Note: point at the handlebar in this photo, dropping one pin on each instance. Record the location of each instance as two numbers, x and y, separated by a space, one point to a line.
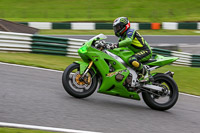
100 44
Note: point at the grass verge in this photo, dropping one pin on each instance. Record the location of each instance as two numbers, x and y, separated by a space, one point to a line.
104 10
19 130
111 32
37 60
187 78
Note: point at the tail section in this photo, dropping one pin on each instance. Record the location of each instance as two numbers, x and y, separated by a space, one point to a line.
160 60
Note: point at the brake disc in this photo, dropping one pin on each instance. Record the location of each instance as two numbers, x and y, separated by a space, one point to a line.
81 84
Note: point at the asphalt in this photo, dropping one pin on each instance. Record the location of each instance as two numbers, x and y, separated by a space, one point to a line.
36 97
173 39
185 43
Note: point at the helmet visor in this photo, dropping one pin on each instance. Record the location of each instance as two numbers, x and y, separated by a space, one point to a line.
117 28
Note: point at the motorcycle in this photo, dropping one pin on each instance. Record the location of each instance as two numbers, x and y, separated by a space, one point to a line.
109 71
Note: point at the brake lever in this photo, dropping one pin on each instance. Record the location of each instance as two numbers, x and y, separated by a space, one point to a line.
100 44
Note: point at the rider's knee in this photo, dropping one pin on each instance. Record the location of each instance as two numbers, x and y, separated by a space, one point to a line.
135 64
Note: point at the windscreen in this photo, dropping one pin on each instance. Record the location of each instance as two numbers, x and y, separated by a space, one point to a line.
99 37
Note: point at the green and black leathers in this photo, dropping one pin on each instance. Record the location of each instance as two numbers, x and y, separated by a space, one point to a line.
135 42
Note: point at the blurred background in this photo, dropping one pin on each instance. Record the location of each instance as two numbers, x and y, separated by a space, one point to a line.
156 17
103 11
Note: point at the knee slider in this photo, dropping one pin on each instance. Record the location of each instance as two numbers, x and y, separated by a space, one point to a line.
136 64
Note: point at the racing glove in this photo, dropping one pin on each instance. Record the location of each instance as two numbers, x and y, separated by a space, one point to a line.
112 45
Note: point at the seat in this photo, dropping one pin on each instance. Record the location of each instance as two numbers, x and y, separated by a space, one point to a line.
149 61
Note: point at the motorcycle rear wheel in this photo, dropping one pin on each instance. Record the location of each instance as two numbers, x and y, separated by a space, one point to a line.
173 93
76 88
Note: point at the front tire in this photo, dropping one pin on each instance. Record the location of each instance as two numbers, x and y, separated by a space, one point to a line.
172 89
75 87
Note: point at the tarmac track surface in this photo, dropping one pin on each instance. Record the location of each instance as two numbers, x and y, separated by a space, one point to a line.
185 43
155 39
36 97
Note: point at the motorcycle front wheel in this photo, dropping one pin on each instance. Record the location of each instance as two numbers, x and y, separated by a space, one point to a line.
169 97
76 87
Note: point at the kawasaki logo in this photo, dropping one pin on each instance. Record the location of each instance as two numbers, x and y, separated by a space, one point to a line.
115 73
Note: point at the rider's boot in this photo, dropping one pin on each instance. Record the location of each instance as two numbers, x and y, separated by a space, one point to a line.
139 67
143 70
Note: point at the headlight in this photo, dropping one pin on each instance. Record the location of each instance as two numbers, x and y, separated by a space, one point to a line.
83 50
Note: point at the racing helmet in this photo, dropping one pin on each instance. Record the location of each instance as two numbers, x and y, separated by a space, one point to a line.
120 25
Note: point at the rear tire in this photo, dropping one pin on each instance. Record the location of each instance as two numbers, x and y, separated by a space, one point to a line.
75 87
173 93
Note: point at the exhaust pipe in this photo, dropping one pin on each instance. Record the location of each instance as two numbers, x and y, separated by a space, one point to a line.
171 74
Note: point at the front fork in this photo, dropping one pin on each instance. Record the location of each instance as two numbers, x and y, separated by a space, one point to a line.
86 71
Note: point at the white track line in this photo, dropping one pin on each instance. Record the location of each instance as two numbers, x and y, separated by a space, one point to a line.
3 124
189 95
32 67
62 71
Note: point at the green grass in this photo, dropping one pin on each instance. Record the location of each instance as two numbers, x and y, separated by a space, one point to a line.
38 60
187 78
18 130
96 10
111 32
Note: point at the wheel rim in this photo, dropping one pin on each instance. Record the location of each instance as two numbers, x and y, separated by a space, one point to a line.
166 95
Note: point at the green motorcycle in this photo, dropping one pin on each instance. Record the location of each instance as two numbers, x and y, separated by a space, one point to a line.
110 72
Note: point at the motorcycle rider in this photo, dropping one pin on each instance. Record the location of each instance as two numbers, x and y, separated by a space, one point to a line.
134 41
